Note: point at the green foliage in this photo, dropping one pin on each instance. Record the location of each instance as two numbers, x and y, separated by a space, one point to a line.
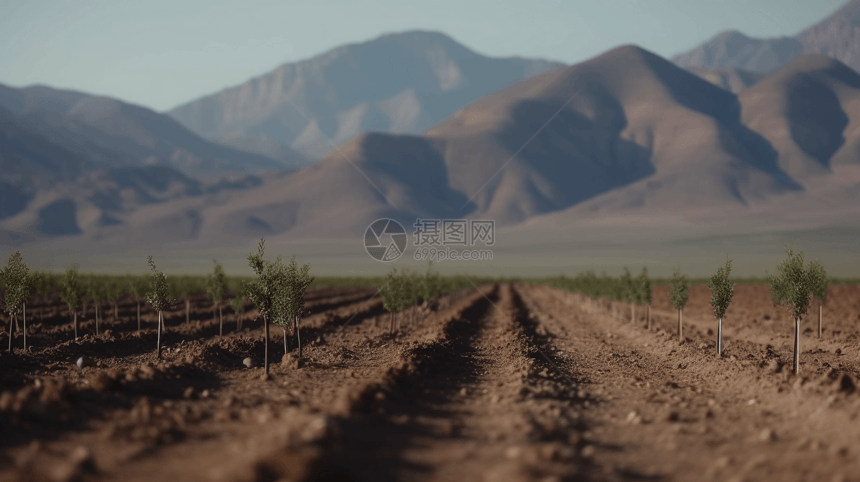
158 296
432 284
114 288
721 289
238 301
819 280
136 285
42 282
390 291
643 287
270 286
216 284
679 290
72 290
628 286
298 280
793 285
16 281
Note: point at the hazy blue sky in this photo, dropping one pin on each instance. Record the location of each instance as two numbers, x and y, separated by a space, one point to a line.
163 53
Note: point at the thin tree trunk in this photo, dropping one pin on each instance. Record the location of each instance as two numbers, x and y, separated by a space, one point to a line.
76 324
796 345
220 322
159 324
266 351
680 327
632 312
720 337
298 336
25 327
11 321
138 316
820 310
285 339
649 317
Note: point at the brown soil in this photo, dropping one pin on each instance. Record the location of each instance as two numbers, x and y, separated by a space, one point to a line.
503 382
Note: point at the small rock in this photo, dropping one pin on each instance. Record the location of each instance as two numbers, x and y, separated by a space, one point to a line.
767 435
587 451
190 393
463 391
85 361
204 394
248 362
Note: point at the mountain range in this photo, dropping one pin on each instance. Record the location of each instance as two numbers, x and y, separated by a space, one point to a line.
625 137
837 36
401 83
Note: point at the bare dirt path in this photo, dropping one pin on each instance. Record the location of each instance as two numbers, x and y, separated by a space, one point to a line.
504 382
668 412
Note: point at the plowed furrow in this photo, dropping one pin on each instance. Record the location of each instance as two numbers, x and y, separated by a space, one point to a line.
663 412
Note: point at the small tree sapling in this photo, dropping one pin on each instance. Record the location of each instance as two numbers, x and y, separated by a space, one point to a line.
791 287
678 293
113 292
71 293
238 304
137 286
17 290
721 295
266 289
628 292
392 293
643 284
158 298
819 288
298 280
216 287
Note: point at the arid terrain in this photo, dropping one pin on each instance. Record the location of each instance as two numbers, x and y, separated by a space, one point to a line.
501 382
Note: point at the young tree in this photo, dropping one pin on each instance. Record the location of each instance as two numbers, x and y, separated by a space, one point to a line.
113 292
17 284
42 283
819 288
298 280
678 296
721 295
643 284
791 287
392 294
628 292
159 300
182 287
71 293
95 291
266 290
431 286
216 287
137 286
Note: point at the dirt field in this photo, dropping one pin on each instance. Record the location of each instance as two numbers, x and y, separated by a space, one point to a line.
503 382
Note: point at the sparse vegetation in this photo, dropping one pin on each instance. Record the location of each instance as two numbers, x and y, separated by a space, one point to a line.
158 298
16 285
819 281
678 293
216 287
71 294
722 290
792 286
267 291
